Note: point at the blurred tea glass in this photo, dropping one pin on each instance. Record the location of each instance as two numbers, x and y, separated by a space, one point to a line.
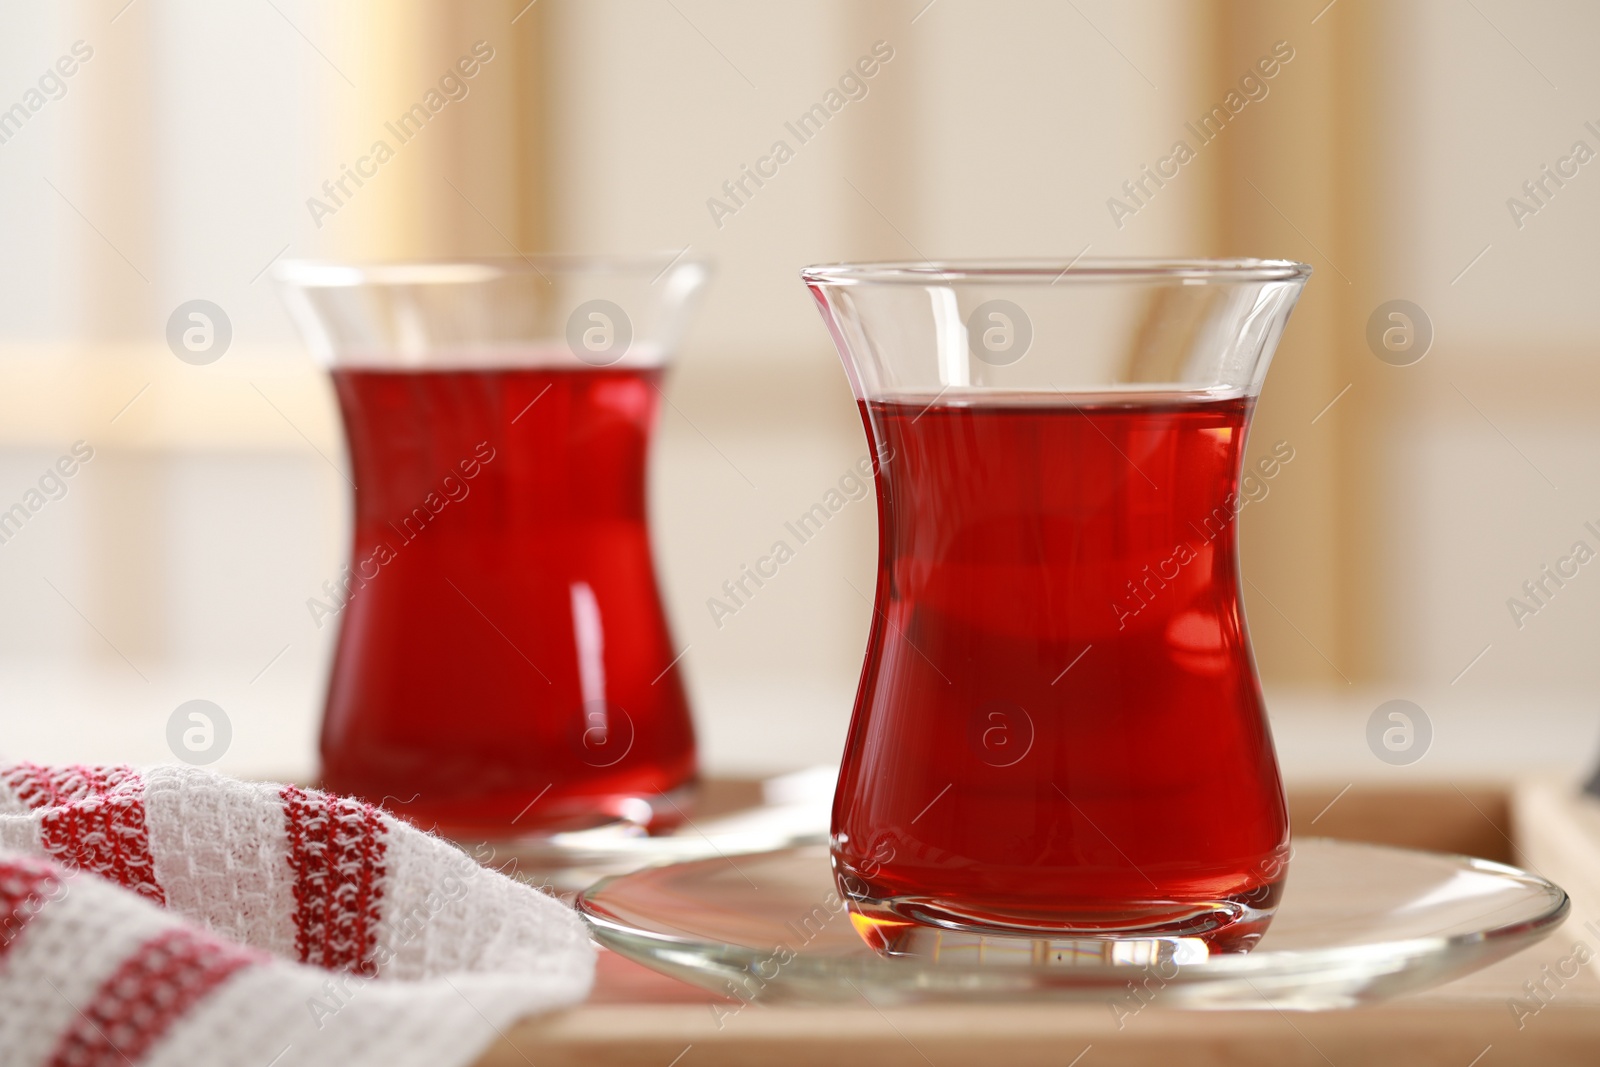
1059 732
503 665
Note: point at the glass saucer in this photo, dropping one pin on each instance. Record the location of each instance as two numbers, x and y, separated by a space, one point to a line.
572 860
785 811
1358 923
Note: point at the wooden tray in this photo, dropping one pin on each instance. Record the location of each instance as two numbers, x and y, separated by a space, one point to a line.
1541 1006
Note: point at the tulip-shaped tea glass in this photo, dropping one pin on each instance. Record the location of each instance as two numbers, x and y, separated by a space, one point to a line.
1059 733
503 662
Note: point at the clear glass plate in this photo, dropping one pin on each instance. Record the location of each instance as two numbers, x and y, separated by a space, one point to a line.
794 810
1357 923
572 860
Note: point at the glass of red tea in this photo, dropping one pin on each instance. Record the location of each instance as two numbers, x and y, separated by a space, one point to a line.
1059 733
503 663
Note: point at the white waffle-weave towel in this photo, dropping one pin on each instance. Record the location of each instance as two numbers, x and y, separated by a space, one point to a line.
177 916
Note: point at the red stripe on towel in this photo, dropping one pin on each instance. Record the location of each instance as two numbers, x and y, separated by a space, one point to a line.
50 787
26 885
152 989
336 849
97 824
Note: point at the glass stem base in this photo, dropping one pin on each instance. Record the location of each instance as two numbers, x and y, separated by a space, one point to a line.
1137 932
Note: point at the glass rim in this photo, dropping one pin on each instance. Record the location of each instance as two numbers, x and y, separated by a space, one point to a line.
1191 271
466 270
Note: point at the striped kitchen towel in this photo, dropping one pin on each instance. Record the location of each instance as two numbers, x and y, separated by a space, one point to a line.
177 916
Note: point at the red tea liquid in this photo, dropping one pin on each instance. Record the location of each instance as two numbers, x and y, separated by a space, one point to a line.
504 645
1059 725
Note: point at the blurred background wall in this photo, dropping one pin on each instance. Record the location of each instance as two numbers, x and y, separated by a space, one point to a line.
1387 148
